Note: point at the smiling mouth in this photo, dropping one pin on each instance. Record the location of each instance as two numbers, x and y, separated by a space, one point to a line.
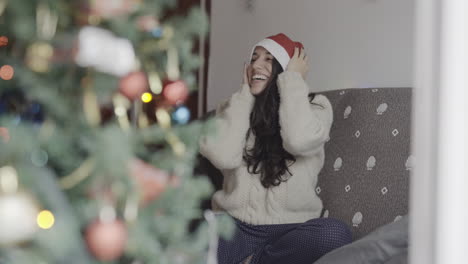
259 77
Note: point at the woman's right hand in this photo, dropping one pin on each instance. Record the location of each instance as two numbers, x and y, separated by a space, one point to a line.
299 62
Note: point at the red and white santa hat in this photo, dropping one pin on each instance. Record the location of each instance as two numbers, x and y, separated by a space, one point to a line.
280 46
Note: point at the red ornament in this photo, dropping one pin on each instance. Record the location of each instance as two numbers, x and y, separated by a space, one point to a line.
147 23
106 240
83 13
110 8
151 181
3 41
4 134
133 85
7 72
175 92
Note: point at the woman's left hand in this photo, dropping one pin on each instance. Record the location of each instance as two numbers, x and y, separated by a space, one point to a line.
299 62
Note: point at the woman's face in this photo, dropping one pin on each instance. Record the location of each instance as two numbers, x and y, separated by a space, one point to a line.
259 70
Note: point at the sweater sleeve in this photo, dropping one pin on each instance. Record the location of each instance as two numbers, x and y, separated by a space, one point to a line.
305 126
225 148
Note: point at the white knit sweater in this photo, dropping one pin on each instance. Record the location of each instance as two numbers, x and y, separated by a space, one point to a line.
304 129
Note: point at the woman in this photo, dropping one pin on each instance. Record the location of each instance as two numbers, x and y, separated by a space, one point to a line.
269 147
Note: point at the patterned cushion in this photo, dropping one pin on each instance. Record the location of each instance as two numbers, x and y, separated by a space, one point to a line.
365 179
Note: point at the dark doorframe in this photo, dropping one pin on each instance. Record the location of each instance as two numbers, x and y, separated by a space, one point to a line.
196 102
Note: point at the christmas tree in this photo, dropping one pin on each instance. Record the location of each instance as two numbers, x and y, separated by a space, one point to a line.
96 146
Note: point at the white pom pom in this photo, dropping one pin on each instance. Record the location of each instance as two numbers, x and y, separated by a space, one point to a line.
100 49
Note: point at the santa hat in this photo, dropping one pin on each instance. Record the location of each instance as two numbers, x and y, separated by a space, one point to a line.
280 46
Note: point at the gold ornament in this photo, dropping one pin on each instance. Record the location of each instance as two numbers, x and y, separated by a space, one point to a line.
18 210
38 56
131 209
8 179
143 121
173 71
46 21
164 121
155 82
163 117
90 102
78 175
3 4
121 106
177 146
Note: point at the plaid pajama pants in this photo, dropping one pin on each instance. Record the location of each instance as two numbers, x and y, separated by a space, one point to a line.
283 243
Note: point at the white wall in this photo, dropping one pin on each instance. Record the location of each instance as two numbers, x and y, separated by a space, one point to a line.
351 43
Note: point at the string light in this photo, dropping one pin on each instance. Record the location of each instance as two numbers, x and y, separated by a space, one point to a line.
157 32
163 117
146 97
181 115
45 219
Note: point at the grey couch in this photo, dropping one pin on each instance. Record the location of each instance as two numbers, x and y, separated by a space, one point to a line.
365 179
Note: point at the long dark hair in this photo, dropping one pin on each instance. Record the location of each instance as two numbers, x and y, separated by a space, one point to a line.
267 156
